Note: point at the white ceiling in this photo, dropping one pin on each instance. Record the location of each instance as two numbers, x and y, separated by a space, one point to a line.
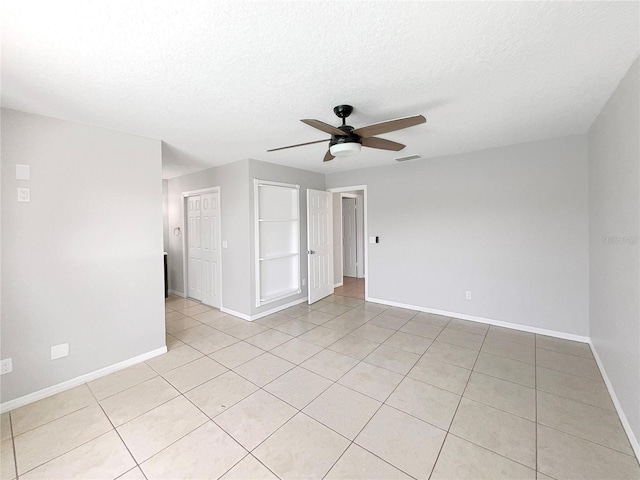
222 81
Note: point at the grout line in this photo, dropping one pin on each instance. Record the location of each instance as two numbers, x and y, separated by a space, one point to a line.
13 444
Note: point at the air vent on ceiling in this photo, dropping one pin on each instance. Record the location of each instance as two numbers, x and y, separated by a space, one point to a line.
407 158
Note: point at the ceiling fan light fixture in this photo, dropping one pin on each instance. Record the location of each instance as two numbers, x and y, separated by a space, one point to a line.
345 149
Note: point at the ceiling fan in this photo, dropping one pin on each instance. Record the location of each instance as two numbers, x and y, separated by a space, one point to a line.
346 140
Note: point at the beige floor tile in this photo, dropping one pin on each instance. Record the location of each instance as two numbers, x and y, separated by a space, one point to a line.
358 464
408 342
174 359
249 469
133 402
302 448
264 369
117 382
343 410
236 354
321 336
360 314
371 380
206 452
147 434
585 390
195 310
501 367
269 339
512 350
564 346
296 310
348 301
5 427
103 457
402 440
7 460
542 476
248 329
376 308
219 394
273 320
171 316
296 350
400 312
393 359
196 332
585 421
453 354
295 327
503 395
335 309
460 338
44 443
316 317
343 324
209 316
178 303
133 474
213 343
501 432
439 374
355 347
421 329
467 326
562 362
462 460
192 374
172 342
511 335
253 419
373 333
226 322
43 411
388 322
329 364
437 320
298 387
564 456
174 326
428 403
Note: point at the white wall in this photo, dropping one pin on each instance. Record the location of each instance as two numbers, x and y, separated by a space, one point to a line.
82 262
509 224
614 253
165 214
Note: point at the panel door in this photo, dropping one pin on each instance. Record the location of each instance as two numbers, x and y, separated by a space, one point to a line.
210 251
349 241
319 244
194 245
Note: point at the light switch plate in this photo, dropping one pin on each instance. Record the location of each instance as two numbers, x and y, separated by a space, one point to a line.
23 172
24 195
59 351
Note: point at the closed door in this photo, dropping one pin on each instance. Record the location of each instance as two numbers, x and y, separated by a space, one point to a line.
319 244
210 250
194 242
349 238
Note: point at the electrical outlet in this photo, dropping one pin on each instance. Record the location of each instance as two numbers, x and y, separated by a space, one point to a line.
24 195
468 295
6 366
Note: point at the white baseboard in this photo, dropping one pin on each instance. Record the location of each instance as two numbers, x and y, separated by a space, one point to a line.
175 292
74 382
263 314
623 418
490 321
336 285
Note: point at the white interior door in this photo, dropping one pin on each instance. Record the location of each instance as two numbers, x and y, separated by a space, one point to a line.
319 244
210 251
349 241
194 239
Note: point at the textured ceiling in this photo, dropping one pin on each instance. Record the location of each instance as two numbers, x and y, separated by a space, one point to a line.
223 81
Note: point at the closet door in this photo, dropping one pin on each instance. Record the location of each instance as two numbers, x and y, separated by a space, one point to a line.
194 239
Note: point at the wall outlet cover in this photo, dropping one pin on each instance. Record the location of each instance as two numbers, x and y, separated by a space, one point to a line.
6 366
24 195
59 351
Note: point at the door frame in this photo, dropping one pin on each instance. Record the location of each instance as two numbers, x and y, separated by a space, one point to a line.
366 229
185 253
355 197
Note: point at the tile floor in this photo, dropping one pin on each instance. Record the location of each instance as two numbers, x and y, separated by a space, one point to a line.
351 287
340 390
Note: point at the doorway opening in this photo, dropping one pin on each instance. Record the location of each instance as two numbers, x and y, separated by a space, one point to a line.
350 246
201 246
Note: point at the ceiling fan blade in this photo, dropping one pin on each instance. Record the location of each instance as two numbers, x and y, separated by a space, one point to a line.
325 127
298 145
328 157
381 143
389 126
